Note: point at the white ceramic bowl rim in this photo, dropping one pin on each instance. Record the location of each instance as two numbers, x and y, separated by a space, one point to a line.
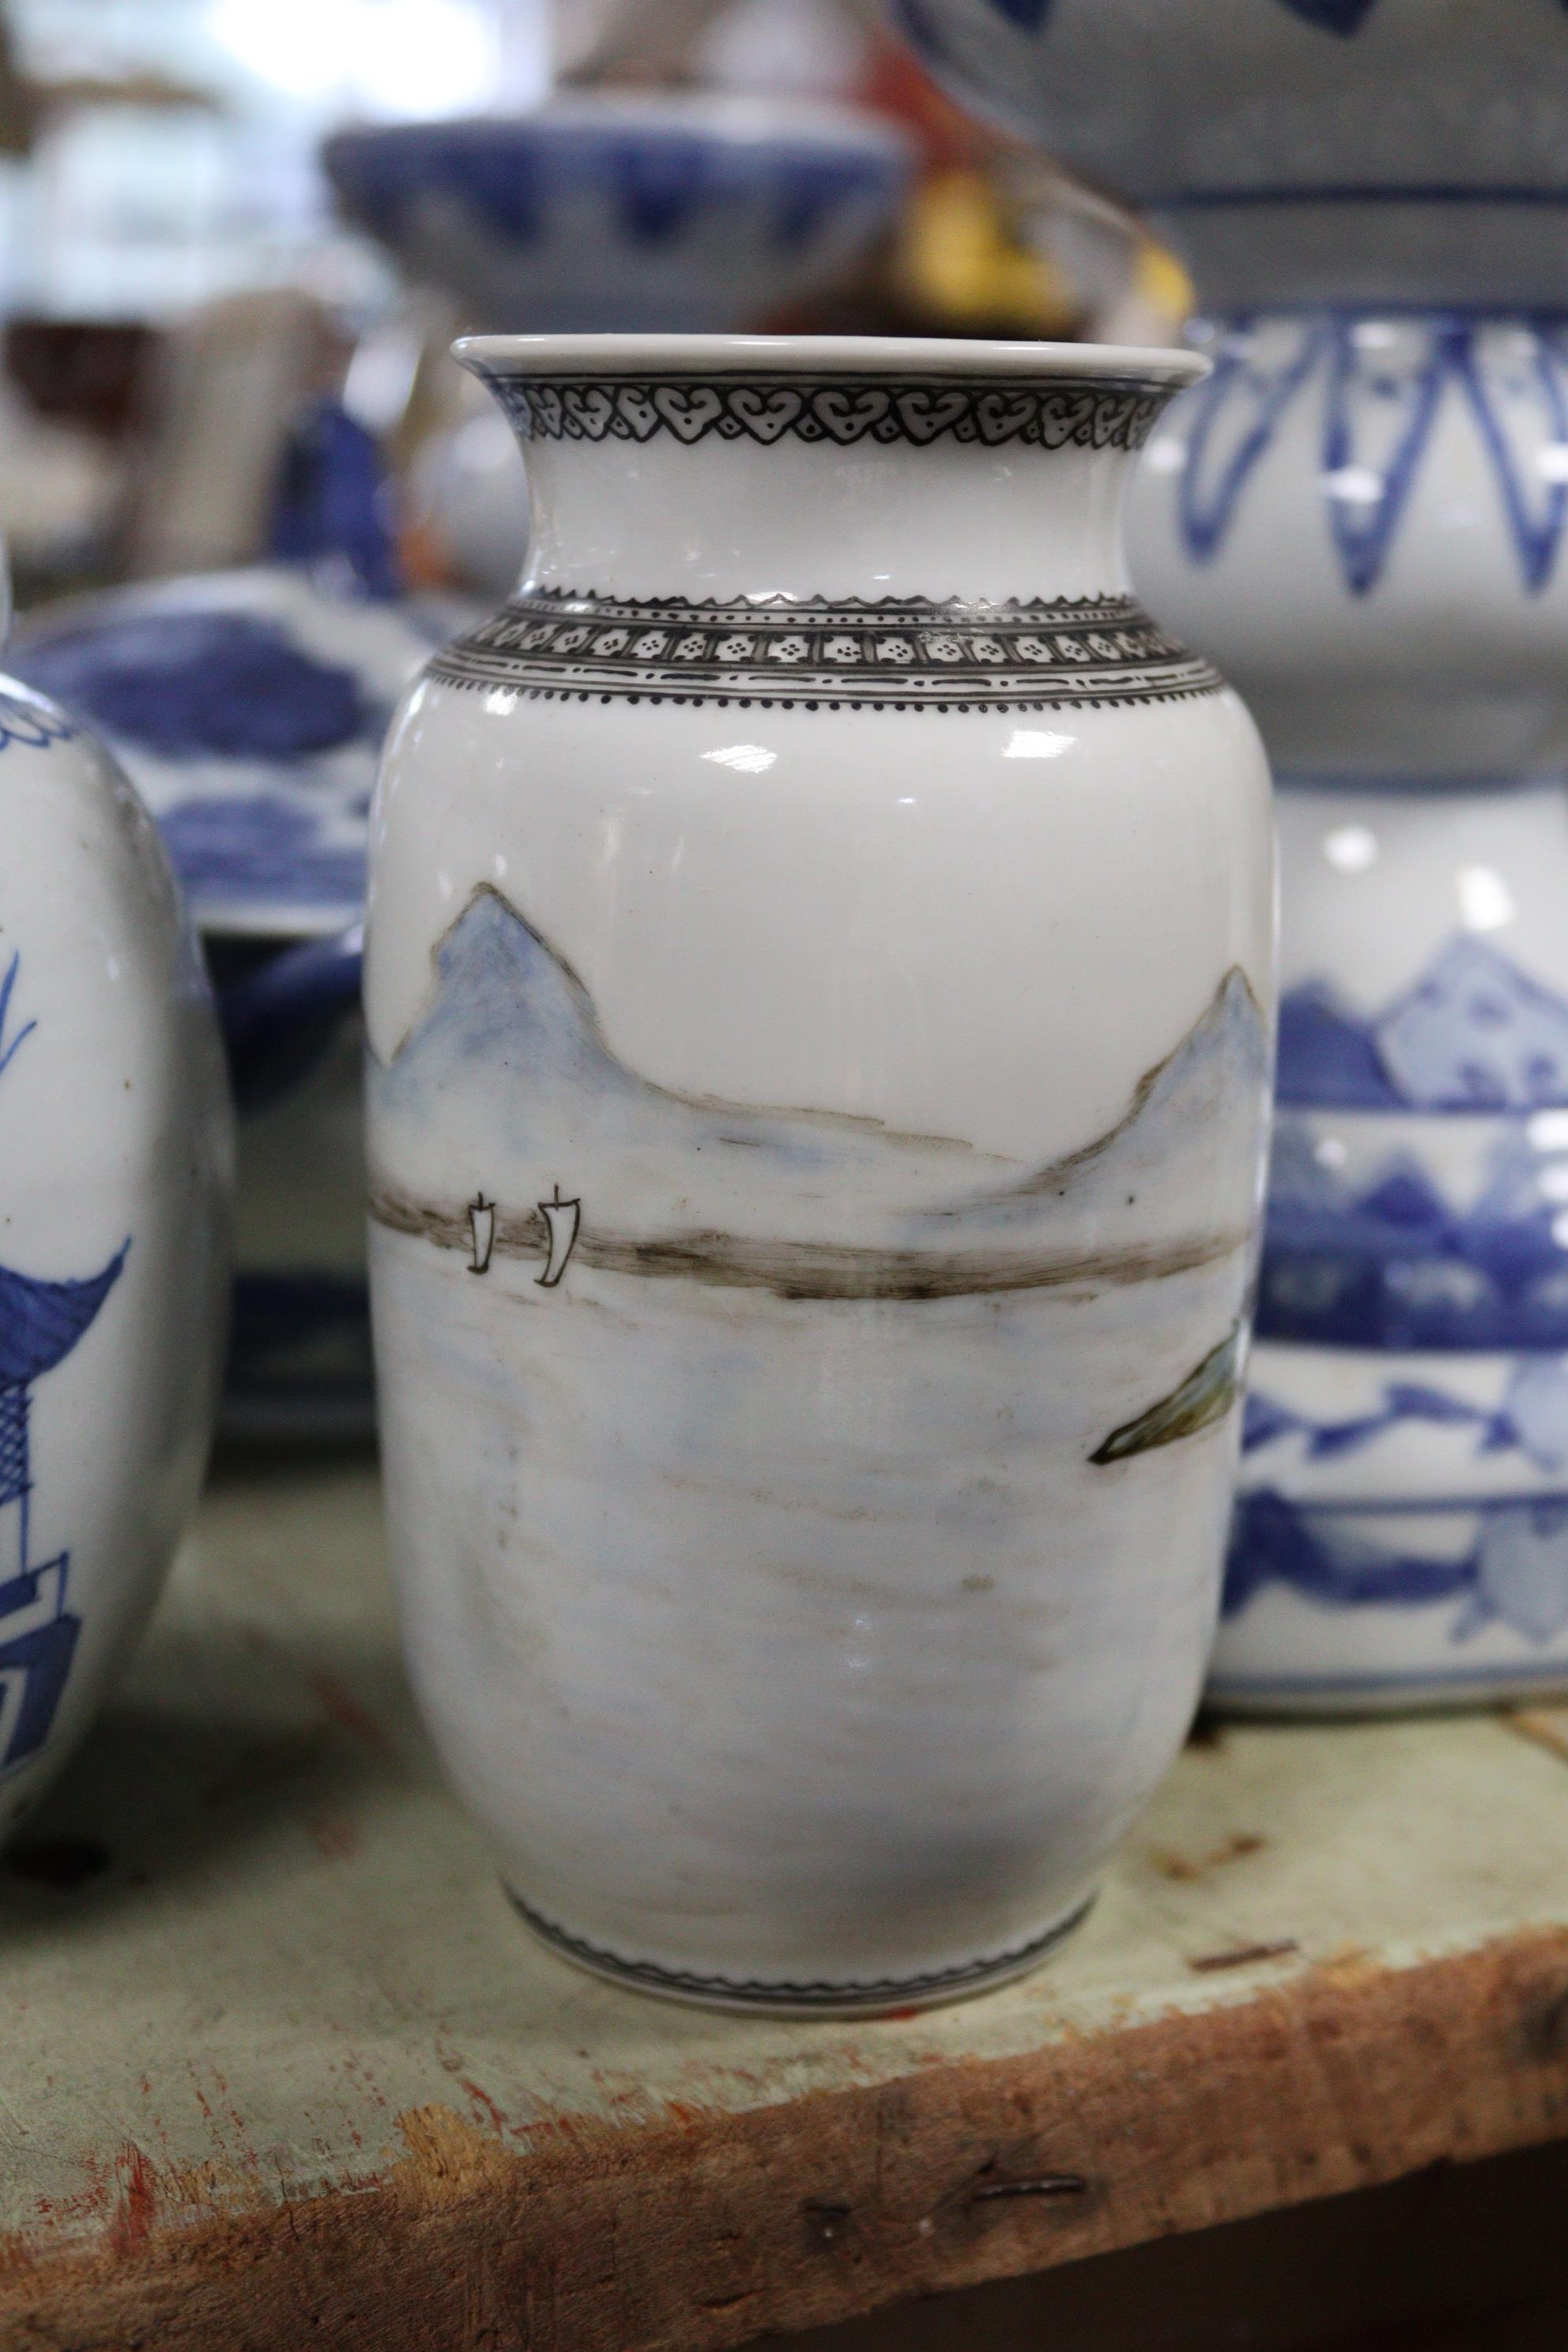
519 358
746 117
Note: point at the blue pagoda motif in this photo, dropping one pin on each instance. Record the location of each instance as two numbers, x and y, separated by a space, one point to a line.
40 1323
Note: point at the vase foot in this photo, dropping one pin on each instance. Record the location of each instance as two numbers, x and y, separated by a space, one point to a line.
819 1997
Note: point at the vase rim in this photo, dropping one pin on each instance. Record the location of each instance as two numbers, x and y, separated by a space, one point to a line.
519 358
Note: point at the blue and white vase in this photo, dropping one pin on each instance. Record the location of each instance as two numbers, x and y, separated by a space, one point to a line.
1361 516
117 1145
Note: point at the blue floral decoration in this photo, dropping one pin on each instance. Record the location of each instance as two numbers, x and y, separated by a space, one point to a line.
33 724
197 685
254 845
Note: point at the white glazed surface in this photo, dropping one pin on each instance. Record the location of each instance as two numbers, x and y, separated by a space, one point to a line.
116 1128
757 1580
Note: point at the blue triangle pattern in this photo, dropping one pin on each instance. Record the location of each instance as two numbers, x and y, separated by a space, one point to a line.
1380 405
1363 526
1215 476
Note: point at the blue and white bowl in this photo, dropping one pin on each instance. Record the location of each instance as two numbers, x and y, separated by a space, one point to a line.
627 213
248 708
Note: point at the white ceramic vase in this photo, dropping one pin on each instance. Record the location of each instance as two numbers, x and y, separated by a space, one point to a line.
1360 515
116 1136
818 983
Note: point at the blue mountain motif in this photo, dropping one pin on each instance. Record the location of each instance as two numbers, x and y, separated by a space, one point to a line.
1393 1265
1474 1033
1514 1572
1533 1419
40 1323
1380 403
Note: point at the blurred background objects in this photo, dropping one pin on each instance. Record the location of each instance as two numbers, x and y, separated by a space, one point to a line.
245 489
181 282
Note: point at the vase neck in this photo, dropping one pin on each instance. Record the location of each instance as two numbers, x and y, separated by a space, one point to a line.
777 482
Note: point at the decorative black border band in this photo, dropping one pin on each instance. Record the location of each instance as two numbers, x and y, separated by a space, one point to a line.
828 653
990 413
972 1976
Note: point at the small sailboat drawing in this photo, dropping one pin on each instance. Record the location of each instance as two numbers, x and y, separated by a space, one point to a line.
562 1219
481 1233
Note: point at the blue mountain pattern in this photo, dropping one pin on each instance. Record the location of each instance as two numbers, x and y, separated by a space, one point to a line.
1392 1265
1533 1419
1474 1033
1378 405
1513 1573
1391 1262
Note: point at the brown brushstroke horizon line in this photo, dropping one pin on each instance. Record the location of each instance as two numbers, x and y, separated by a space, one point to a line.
804 1270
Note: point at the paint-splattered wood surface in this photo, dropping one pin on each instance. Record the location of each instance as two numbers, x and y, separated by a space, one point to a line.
281 2067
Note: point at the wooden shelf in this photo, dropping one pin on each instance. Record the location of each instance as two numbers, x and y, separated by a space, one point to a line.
282 2068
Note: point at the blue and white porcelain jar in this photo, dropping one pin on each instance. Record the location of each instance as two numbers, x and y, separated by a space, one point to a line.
1361 516
117 1154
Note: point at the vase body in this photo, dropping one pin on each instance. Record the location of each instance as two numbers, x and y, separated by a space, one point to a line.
113 1263
1360 516
818 983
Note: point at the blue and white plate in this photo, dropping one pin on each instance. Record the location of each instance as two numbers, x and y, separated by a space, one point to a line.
627 212
248 708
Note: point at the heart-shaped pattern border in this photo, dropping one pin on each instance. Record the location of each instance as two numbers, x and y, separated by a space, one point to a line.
990 412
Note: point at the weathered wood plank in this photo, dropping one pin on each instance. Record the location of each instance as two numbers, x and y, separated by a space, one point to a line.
284 2067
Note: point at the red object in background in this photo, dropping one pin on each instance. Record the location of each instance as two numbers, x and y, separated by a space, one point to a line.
898 86
88 373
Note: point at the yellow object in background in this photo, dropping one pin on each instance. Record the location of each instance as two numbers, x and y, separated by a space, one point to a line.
960 260
966 263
